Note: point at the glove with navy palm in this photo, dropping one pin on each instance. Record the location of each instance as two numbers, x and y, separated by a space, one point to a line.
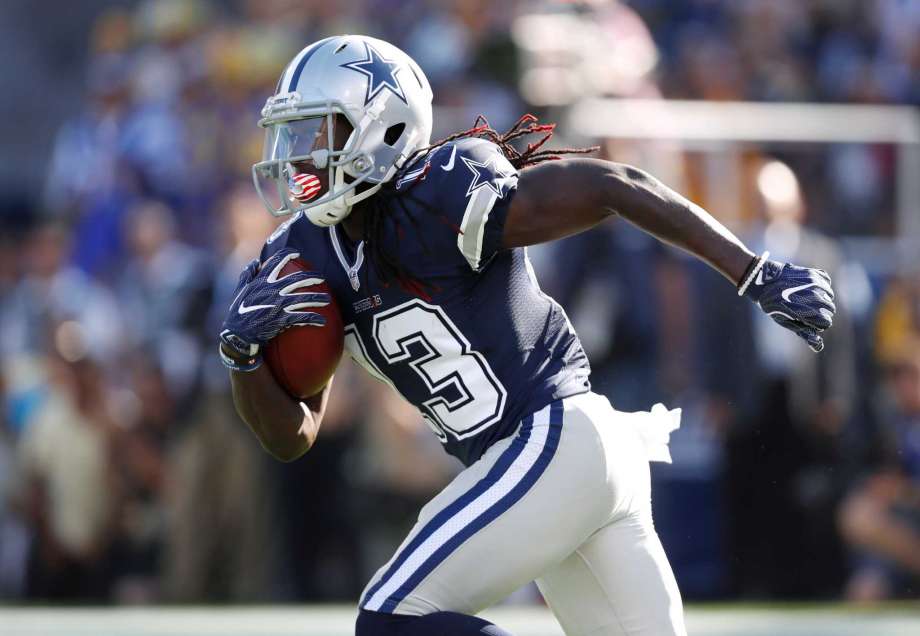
266 303
798 298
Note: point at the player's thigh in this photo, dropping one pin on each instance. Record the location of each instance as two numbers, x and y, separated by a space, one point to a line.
523 507
618 583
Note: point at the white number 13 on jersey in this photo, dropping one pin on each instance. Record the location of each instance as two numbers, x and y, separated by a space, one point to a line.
465 396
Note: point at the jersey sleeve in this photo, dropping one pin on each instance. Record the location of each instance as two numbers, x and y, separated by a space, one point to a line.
472 183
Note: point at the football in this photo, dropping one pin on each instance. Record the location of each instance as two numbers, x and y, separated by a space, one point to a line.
303 359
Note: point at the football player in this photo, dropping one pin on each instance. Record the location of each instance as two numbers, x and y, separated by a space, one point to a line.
424 249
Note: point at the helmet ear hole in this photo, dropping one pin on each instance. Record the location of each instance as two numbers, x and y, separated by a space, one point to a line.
393 133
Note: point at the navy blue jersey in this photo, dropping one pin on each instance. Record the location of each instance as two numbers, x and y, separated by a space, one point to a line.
483 347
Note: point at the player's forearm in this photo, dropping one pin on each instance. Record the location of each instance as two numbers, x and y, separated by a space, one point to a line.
283 427
559 198
649 204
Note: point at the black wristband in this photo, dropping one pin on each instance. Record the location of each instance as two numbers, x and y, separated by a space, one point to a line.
235 362
747 271
746 286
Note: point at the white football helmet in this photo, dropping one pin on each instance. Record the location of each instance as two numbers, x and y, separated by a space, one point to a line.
382 93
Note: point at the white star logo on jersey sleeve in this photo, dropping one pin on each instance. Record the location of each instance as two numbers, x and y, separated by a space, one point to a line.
487 174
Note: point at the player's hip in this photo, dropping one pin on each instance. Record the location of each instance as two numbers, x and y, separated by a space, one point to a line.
530 501
579 453
602 455
604 449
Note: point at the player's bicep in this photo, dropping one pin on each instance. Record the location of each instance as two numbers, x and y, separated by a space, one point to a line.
556 199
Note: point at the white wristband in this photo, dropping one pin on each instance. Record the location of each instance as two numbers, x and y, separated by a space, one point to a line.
757 268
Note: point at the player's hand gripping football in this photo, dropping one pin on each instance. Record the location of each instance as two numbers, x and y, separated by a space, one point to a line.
267 302
798 298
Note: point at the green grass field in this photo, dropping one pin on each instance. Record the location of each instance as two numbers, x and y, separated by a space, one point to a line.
702 620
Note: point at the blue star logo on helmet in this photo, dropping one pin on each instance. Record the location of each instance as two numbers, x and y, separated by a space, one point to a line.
380 72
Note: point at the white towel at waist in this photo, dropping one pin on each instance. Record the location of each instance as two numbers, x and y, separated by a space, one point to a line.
655 428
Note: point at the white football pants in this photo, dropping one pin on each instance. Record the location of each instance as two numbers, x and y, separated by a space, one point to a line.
566 500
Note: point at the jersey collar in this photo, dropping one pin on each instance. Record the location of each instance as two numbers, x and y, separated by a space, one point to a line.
350 269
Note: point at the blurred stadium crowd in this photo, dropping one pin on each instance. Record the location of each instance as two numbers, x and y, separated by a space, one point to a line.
124 473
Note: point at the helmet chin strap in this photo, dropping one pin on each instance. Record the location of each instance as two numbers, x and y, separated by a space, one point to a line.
335 210
357 198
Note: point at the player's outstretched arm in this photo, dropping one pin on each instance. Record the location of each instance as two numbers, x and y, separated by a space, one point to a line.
265 303
559 198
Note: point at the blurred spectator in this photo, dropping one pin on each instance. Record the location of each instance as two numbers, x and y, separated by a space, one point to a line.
87 154
170 47
820 388
148 420
14 534
164 288
67 480
50 291
786 411
898 318
221 542
880 519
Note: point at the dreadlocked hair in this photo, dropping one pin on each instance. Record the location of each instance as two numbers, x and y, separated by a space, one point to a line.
388 266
